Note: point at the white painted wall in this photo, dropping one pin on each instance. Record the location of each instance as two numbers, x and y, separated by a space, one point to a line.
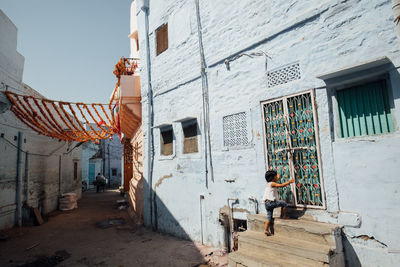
323 36
41 184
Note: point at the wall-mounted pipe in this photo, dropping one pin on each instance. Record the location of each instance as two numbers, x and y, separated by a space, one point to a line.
206 106
150 150
201 219
26 176
230 219
255 201
18 191
59 176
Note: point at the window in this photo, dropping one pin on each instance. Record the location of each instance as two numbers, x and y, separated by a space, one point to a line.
113 172
167 138
235 130
162 39
190 136
75 170
364 110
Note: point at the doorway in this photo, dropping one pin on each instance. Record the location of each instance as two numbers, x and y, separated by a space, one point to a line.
292 148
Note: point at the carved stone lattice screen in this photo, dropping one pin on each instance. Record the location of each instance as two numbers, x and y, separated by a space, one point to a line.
292 148
235 130
283 75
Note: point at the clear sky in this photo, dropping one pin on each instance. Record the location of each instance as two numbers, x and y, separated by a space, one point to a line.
71 46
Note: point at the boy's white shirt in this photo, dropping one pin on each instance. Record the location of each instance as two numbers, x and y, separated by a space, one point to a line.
270 193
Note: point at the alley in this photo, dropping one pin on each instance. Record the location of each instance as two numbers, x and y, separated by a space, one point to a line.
97 234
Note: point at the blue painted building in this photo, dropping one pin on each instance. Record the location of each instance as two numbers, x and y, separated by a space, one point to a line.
310 89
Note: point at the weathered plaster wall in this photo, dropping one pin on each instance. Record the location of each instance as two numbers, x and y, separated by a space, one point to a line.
136 183
40 183
323 36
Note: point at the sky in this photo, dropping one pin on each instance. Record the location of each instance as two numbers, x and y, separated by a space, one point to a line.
71 46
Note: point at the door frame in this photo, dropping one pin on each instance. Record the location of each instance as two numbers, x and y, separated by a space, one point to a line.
317 143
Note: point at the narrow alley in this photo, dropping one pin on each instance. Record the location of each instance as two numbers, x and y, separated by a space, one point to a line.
98 233
199 133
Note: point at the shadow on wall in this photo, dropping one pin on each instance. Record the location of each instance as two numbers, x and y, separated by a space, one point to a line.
160 218
350 254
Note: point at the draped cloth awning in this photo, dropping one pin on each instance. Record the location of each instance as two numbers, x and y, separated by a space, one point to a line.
65 120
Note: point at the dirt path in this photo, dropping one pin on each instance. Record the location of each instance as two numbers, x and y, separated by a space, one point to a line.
99 234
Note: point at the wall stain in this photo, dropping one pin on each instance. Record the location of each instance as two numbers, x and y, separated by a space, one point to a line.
159 182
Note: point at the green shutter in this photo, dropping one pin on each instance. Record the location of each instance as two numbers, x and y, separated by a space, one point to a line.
364 110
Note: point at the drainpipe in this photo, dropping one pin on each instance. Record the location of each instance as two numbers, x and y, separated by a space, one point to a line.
19 181
201 218
150 150
109 166
26 174
59 175
230 219
396 11
204 87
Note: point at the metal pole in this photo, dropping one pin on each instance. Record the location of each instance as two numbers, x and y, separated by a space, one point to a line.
109 167
26 187
19 181
150 149
59 175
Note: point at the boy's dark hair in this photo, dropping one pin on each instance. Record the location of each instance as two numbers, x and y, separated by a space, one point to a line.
270 175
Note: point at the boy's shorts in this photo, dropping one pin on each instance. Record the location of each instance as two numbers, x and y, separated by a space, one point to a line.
271 205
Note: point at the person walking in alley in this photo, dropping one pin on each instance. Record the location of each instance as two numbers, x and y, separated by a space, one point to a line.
271 197
100 182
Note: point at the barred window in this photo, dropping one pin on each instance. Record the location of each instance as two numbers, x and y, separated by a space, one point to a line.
235 130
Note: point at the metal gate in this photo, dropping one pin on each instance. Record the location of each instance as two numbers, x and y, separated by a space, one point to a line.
292 148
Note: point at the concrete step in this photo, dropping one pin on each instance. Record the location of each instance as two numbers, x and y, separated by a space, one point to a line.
262 244
306 230
250 258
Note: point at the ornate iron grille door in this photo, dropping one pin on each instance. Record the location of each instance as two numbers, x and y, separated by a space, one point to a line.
292 148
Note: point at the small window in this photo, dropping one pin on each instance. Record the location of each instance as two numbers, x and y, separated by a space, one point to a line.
167 138
190 136
162 38
75 170
235 130
364 110
113 172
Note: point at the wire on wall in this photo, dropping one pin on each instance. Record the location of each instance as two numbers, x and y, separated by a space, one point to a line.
251 55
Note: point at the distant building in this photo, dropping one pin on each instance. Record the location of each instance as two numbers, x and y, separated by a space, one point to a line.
34 169
105 158
308 88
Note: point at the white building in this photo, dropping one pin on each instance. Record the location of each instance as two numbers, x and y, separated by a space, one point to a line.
34 169
237 85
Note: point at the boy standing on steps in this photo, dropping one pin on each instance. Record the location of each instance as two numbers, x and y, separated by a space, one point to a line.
271 197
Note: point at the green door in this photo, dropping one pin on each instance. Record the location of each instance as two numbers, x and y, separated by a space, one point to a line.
291 148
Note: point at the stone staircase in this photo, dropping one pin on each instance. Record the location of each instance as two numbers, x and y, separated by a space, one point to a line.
296 242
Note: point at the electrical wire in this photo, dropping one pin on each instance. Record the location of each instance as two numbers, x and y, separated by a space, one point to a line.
33 154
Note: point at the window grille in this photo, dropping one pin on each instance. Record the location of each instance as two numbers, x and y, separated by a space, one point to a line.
364 110
235 130
283 75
